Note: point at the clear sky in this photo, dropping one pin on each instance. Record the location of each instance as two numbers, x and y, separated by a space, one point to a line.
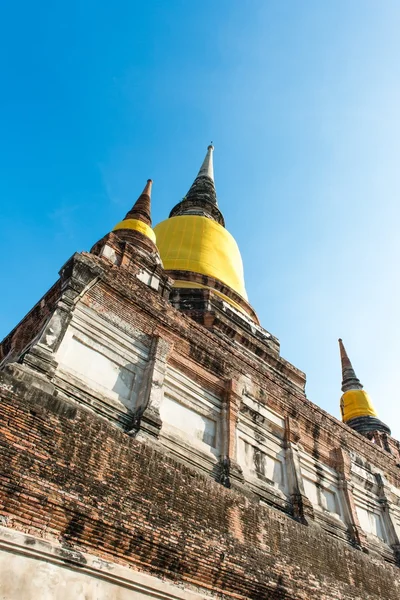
301 99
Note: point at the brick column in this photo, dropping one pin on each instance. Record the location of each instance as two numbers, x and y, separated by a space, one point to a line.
230 471
302 507
355 531
146 419
386 500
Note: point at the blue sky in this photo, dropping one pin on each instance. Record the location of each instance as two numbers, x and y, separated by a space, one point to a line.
301 99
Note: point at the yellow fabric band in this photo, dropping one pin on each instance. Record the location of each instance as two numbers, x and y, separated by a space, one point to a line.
137 226
356 403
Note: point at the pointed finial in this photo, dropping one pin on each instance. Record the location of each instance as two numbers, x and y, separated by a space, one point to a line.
201 199
207 168
349 379
141 208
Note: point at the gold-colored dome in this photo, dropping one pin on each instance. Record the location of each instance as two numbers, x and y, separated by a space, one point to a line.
356 403
201 245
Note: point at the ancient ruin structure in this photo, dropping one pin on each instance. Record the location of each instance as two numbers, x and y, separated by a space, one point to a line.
155 444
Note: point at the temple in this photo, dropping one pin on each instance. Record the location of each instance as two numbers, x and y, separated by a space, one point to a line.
154 443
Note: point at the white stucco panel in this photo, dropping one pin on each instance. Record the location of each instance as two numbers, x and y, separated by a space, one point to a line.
321 485
102 357
189 422
98 369
371 522
32 569
267 462
264 411
191 412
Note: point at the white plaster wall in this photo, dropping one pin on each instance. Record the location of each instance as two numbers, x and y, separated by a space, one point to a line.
260 447
97 369
271 417
321 497
188 421
369 513
31 569
25 578
395 508
149 279
366 500
371 522
102 357
396 521
331 499
267 460
190 412
321 486
311 491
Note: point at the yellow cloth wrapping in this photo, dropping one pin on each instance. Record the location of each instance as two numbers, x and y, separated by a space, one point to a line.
356 403
137 226
200 245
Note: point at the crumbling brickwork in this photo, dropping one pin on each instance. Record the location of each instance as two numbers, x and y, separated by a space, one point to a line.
98 471
19 339
69 475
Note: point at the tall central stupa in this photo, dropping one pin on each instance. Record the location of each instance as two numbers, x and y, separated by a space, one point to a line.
197 250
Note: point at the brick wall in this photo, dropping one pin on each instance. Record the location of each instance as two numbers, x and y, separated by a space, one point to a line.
30 326
200 352
69 474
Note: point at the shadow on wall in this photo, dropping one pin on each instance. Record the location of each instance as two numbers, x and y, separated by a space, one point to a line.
124 386
279 593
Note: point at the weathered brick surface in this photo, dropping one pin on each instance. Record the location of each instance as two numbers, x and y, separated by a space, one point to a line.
203 354
31 325
66 473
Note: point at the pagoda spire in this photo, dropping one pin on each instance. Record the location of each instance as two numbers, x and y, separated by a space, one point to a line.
131 245
207 168
138 219
350 380
141 210
135 228
201 198
355 404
